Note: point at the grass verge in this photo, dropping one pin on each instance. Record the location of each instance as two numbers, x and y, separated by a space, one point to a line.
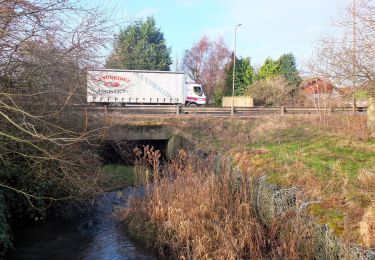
330 158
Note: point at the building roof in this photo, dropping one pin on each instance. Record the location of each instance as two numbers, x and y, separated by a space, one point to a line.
317 86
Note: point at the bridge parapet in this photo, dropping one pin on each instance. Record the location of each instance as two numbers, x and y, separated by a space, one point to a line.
133 133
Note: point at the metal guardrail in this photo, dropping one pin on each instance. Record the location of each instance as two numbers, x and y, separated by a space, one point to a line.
219 111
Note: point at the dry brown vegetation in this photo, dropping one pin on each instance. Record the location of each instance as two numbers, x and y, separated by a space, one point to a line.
45 154
329 157
43 63
275 91
192 213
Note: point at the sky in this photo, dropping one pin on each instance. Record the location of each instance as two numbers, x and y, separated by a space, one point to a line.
269 27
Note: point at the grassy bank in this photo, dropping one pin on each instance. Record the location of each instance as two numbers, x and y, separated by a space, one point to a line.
335 169
330 158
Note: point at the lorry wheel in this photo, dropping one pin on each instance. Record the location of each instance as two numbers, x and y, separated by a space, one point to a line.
193 105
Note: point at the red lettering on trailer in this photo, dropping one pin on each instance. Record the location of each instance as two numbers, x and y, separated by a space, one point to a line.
114 81
113 77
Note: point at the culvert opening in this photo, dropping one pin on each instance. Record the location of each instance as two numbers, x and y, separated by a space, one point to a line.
122 152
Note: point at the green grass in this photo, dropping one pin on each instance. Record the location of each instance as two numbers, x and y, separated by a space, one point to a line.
334 218
119 176
321 154
293 136
322 158
332 162
361 95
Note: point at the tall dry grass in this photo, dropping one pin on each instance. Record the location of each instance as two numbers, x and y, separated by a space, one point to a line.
190 213
346 124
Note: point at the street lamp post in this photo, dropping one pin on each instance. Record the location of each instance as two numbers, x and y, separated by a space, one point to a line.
234 67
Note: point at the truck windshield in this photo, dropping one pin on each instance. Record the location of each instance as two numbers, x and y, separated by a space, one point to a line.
198 91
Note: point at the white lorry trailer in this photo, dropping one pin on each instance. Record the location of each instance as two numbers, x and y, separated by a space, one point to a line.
107 86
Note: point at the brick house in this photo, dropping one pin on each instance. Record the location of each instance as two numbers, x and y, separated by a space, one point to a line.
318 86
319 91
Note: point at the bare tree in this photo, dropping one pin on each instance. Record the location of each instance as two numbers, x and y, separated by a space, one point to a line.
45 48
205 63
195 58
347 58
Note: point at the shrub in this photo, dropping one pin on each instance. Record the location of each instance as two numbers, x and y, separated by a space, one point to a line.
275 91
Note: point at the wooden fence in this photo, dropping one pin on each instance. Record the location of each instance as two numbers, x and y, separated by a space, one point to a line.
242 101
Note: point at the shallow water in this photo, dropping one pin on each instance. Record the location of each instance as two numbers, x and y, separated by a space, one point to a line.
99 236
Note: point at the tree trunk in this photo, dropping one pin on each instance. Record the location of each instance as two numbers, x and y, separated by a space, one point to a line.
371 109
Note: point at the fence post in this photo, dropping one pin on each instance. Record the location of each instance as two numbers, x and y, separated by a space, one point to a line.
177 109
282 109
354 105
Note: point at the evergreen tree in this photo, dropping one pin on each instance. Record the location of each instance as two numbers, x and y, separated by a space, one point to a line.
244 76
287 67
140 46
270 68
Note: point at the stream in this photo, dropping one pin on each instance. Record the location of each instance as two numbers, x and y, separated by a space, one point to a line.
99 236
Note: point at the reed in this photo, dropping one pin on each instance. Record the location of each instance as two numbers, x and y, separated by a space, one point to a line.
189 214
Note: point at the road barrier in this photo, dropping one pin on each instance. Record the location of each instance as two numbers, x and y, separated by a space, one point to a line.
219 111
